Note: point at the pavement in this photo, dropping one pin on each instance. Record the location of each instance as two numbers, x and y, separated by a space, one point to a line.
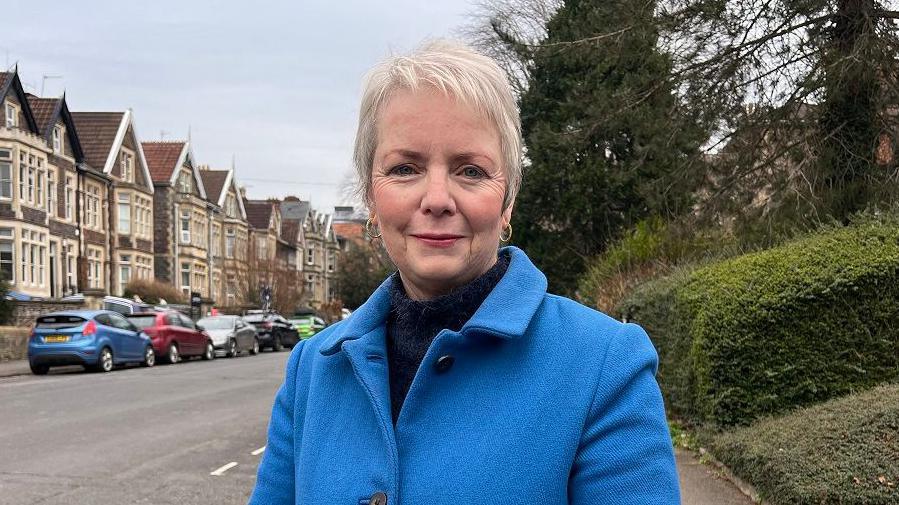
184 468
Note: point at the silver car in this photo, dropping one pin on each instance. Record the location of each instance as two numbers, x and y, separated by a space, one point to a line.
231 334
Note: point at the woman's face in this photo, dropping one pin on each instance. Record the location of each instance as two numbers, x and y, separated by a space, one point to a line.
438 184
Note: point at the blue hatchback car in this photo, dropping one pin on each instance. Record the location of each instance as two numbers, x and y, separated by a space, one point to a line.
96 339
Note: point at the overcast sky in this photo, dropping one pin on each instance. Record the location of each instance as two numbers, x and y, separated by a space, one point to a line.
275 84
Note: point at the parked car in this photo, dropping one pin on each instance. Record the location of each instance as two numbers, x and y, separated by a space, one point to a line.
273 330
95 339
307 326
231 334
174 335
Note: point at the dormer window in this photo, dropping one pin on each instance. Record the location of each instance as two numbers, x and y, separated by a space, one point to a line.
127 162
184 183
12 116
57 139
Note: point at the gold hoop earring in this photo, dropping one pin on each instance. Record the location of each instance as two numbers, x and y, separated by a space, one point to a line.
368 227
506 234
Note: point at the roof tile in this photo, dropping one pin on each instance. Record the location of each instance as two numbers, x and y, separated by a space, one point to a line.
161 158
97 131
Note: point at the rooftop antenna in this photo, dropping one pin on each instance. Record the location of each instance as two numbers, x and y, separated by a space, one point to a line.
44 81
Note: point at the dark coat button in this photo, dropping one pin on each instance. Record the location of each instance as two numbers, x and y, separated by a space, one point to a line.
444 363
378 498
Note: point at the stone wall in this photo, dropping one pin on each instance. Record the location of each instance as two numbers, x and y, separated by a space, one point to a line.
24 313
13 342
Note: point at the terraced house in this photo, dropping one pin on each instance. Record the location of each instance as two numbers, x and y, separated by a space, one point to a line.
111 145
229 237
39 158
182 231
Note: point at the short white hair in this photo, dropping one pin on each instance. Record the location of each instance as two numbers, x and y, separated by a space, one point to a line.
458 71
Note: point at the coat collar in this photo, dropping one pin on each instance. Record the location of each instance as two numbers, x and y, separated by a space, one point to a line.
506 313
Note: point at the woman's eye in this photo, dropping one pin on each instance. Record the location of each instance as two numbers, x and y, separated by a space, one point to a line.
472 172
402 170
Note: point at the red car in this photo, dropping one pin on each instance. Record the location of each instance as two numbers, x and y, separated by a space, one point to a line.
174 335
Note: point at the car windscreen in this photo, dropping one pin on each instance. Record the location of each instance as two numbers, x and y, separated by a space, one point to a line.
143 321
216 323
59 322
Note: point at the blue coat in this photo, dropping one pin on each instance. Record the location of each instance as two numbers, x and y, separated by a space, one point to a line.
537 399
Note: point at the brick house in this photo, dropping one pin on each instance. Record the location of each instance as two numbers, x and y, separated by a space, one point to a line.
182 229
229 237
320 258
111 145
39 157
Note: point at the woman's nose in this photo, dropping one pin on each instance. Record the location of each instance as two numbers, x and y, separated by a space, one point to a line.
438 198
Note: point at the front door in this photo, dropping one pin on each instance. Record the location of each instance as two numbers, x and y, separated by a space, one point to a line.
54 292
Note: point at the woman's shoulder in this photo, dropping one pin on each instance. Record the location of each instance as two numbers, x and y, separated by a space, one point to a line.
589 329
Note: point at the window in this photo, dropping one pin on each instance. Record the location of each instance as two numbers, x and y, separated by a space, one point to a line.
184 185
231 290
230 206
51 193
12 116
69 196
7 265
32 260
332 260
216 246
310 283
185 278
124 227
200 279
185 228
94 267
127 162
39 189
310 255
57 139
31 171
262 248
144 267
229 243
92 206
5 173
124 271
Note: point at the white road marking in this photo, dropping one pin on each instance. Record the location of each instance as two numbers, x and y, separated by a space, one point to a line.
258 451
224 469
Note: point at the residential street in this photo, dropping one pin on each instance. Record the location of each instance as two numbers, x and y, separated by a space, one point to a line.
136 435
140 435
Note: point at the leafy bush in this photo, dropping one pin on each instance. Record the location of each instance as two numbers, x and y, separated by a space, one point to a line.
764 332
842 451
152 291
652 249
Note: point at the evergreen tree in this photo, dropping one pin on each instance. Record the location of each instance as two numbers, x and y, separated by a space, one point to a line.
607 144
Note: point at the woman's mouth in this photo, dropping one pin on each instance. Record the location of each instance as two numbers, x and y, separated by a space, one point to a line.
442 240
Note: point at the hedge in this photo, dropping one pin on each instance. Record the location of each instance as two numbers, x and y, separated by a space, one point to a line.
765 332
843 451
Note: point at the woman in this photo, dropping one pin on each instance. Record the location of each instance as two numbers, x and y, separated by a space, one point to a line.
461 380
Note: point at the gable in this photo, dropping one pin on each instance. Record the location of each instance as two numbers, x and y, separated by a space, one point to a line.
12 91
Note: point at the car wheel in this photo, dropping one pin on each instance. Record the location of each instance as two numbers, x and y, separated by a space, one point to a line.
210 352
173 355
39 369
255 350
277 346
149 357
105 363
232 348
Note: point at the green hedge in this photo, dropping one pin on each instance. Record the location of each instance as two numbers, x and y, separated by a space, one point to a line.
843 451
761 333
